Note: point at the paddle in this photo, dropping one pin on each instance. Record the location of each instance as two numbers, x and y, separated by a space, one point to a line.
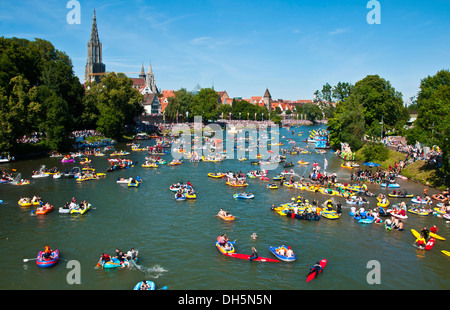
162 288
27 259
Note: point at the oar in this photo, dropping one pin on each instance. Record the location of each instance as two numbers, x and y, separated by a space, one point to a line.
27 259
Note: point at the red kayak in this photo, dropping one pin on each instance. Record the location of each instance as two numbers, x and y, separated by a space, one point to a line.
311 276
258 259
430 244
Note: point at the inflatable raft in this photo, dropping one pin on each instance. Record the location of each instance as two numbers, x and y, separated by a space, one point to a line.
282 257
45 263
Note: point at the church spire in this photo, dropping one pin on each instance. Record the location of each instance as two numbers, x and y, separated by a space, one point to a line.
150 71
94 66
142 74
94 30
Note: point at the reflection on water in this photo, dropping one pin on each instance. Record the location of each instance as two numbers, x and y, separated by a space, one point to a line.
176 239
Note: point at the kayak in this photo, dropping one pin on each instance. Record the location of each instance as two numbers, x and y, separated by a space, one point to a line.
115 263
281 257
247 257
222 250
430 244
401 196
44 263
446 252
311 276
417 235
436 236
303 162
243 196
151 287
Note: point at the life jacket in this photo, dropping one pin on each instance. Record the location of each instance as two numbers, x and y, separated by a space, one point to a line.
47 249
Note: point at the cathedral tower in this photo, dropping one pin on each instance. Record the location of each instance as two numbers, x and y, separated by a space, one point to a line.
95 69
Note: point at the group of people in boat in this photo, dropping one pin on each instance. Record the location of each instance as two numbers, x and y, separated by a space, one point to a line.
131 255
224 242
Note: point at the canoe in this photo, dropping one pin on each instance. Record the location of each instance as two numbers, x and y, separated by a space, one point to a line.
281 257
45 263
151 287
243 196
115 263
223 251
311 276
247 257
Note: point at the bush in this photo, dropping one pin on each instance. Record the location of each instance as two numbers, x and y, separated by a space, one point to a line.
375 152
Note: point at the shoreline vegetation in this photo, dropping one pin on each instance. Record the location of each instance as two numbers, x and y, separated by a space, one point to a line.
418 171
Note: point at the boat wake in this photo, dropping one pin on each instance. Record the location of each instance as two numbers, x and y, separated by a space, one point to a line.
150 272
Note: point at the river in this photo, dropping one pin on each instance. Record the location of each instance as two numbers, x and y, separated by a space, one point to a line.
175 239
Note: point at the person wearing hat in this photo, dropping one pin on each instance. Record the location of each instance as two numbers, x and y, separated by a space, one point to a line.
289 252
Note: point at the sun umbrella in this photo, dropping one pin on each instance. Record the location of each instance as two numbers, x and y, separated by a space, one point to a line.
371 164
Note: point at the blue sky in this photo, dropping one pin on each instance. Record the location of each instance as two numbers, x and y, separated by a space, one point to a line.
290 47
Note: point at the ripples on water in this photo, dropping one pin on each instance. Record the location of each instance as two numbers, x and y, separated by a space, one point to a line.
176 239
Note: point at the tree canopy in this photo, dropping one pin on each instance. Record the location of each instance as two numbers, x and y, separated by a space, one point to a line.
371 101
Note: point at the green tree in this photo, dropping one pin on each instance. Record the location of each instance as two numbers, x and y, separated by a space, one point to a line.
117 103
205 104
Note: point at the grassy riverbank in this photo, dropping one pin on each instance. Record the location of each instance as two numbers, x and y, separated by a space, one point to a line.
418 171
